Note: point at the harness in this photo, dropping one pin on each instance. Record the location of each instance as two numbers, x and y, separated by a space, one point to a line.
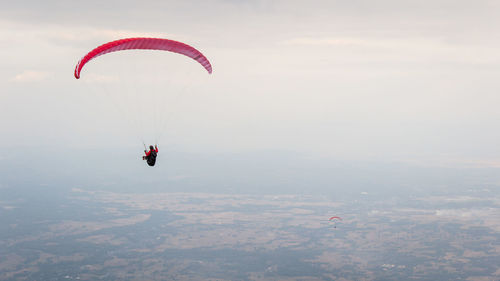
151 159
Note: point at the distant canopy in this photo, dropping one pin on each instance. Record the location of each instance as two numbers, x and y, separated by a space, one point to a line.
333 218
144 44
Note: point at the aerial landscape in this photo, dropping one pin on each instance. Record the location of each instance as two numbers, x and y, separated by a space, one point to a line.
200 236
249 140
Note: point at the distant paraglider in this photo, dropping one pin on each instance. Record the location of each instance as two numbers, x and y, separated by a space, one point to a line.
334 220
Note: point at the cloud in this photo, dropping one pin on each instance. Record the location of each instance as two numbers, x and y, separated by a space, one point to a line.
483 213
92 78
461 162
311 41
29 76
14 33
454 213
64 35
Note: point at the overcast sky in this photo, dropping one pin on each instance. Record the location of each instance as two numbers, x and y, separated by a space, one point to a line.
412 81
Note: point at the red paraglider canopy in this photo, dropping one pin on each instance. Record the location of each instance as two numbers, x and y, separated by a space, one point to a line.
332 218
144 44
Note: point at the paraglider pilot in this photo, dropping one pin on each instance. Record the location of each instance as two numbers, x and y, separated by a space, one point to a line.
151 155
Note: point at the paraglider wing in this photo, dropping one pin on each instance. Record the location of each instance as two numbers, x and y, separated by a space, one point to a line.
332 218
144 44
